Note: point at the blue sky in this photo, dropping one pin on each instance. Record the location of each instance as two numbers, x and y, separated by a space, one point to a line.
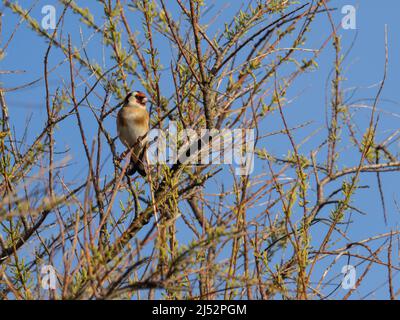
363 70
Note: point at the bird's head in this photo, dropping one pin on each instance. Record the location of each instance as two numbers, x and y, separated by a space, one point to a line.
136 98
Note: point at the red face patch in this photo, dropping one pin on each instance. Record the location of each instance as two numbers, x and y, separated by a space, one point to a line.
140 96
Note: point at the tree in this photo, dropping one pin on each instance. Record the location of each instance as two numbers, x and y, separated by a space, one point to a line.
187 231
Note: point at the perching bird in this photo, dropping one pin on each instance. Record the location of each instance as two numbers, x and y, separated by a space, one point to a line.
133 124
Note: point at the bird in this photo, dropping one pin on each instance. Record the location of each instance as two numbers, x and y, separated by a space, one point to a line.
132 128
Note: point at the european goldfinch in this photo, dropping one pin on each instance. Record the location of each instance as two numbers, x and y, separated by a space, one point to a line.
132 127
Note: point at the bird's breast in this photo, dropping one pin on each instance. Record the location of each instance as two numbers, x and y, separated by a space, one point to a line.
132 124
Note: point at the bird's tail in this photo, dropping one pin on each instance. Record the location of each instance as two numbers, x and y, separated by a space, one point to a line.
138 164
